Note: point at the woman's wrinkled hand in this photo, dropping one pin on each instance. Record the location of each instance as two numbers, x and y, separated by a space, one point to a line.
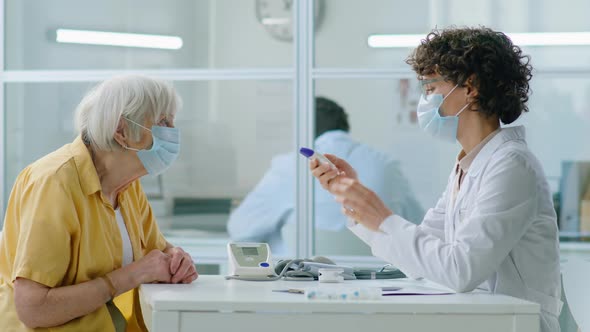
154 267
182 267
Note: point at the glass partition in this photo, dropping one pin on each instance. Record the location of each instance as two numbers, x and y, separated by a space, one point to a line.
230 132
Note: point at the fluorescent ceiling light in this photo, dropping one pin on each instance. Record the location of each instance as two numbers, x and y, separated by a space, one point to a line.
520 39
276 21
118 39
550 38
390 41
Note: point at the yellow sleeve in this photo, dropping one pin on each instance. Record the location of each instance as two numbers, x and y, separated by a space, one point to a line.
47 218
151 236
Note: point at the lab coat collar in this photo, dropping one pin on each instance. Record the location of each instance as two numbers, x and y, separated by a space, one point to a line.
505 135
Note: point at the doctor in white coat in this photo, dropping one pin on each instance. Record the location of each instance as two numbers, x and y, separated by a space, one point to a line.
494 227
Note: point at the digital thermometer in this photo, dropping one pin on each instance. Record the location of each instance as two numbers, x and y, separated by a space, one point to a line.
250 261
311 154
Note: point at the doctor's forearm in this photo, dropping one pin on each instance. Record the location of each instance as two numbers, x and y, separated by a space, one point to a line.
419 254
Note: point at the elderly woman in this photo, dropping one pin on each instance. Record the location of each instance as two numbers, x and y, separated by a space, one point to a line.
79 234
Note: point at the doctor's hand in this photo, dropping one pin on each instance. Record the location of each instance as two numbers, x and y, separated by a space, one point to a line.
359 202
182 268
325 173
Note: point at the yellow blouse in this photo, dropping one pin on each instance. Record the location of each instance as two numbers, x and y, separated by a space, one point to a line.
60 230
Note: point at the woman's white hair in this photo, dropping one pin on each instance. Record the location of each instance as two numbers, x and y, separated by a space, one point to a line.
137 98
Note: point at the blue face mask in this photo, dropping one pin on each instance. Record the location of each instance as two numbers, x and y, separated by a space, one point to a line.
164 151
430 120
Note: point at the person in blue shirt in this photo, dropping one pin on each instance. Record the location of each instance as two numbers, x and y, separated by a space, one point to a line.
269 207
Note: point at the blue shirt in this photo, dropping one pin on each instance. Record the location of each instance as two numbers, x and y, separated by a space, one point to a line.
271 204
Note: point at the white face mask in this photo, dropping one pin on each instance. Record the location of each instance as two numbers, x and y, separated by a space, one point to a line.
164 151
430 120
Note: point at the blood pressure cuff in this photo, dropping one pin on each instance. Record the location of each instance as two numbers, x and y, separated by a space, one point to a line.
313 268
379 273
305 269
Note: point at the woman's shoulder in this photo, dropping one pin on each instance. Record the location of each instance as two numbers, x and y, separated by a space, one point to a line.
57 166
516 152
518 161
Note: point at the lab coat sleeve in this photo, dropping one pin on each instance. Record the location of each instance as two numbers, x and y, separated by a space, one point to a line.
264 210
433 222
505 206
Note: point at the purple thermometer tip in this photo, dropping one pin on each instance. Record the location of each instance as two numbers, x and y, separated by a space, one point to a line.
306 152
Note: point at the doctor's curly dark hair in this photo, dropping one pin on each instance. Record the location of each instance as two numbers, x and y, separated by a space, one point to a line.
501 73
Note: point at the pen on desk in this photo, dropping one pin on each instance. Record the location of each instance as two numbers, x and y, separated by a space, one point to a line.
290 290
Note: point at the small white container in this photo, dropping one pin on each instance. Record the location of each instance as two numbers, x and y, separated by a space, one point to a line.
331 275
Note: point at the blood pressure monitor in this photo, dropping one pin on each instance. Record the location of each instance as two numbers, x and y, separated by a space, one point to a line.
250 261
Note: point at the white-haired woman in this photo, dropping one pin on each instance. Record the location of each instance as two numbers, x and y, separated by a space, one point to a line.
79 234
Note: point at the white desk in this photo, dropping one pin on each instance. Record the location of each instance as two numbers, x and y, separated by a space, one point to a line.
212 303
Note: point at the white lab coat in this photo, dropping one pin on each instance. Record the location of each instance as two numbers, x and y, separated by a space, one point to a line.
500 235
271 203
